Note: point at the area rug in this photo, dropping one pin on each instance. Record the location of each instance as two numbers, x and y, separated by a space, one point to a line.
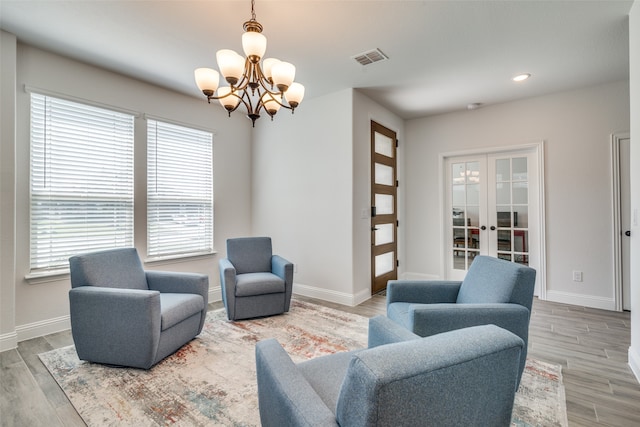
211 381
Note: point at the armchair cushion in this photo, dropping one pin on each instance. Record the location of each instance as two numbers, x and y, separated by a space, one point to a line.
250 254
492 280
118 268
177 307
250 284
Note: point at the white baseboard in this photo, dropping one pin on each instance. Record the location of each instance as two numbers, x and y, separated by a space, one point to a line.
44 327
215 295
418 276
634 362
50 326
329 295
582 300
8 341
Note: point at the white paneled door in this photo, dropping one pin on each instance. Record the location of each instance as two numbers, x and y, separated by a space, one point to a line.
493 207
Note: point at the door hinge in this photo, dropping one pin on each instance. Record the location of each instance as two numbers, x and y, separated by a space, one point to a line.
397 223
397 183
397 142
397 263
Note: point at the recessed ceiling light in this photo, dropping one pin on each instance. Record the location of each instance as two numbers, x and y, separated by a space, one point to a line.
521 77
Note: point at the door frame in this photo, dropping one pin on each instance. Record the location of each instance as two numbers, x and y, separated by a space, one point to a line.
376 127
616 207
538 148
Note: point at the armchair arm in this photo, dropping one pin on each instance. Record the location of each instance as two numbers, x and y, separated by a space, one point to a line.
383 330
180 283
104 321
422 291
431 319
283 269
284 395
228 286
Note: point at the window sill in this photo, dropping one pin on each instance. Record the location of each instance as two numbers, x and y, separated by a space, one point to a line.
63 273
174 259
47 276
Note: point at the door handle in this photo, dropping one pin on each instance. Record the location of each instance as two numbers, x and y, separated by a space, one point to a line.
627 233
374 228
483 228
493 227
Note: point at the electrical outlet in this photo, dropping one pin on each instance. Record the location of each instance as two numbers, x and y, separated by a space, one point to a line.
577 276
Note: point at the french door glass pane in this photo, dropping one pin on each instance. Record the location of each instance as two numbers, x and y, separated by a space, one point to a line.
384 234
383 145
503 193
384 263
520 169
473 216
473 194
384 204
521 216
384 174
458 173
458 194
520 193
473 172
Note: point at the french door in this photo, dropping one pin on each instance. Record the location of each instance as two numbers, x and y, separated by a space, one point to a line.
384 216
493 207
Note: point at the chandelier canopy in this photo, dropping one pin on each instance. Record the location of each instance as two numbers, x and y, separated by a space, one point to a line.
267 86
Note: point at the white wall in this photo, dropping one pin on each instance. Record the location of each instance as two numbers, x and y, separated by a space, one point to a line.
634 81
302 186
311 184
8 43
42 306
364 111
576 127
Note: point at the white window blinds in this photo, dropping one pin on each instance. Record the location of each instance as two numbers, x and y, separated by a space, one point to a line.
81 180
179 190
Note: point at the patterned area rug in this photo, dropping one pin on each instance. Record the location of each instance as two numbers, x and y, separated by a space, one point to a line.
211 380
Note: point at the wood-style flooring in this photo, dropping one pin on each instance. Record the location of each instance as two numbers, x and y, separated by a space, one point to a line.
591 345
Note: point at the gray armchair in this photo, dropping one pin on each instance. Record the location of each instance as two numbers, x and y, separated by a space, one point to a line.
494 291
465 377
122 315
254 282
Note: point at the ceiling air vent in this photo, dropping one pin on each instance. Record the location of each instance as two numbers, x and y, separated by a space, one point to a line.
370 57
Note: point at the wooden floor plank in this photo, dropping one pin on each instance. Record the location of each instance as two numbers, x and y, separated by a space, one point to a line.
590 344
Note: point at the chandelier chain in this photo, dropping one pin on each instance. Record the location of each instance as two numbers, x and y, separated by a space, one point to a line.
253 12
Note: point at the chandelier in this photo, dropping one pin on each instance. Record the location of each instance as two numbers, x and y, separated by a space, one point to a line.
257 86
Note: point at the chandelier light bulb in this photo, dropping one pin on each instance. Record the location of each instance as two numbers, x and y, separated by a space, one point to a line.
254 45
267 66
207 80
231 65
228 99
294 94
283 74
271 102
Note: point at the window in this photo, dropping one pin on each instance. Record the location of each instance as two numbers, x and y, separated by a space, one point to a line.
81 180
179 190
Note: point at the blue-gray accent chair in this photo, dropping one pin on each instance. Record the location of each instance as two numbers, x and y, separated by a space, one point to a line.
122 315
254 282
494 291
465 377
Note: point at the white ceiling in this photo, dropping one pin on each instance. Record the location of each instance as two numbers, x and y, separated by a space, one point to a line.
443 55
